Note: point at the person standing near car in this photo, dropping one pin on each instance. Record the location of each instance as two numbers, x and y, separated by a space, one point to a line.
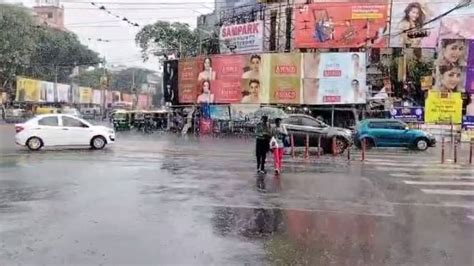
280 134
262 134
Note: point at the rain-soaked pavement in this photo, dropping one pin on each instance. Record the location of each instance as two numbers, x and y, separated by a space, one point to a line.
161 200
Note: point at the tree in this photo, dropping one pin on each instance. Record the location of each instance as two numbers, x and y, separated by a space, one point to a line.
17 41
165 38
120 80
57 53
27 48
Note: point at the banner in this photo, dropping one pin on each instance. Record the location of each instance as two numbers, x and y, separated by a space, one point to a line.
63 93
408 114
408 15
451 65
188 79
27 90
97 97
242 38
285 78
443 108
46 91
220 112
85 95
334 78
341 25
170 81
230 70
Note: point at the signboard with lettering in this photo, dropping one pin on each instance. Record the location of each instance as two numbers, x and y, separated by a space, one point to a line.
443 108
408 114
242 38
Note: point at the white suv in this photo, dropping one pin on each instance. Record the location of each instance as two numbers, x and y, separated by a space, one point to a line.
62 130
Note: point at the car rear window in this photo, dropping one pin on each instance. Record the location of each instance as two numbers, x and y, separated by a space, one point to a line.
49 121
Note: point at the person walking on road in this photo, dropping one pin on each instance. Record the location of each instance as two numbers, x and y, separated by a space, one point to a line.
262 133
280 134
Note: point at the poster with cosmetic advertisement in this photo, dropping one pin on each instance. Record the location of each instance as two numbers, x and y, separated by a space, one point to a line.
451 65
341 24
285 78
410 16
187 77
226 88
334 78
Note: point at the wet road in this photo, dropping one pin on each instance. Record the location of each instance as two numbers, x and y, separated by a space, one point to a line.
162 200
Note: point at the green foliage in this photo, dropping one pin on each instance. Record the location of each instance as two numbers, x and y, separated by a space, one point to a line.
167 38
37 51
120 80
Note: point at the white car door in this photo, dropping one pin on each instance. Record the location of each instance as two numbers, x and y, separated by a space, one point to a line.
78 131
47 128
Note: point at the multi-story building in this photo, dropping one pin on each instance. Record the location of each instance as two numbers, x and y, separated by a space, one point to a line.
50 12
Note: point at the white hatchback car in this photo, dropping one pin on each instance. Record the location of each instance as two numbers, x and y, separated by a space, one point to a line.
62 130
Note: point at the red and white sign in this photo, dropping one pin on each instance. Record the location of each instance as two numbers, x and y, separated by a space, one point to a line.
242 38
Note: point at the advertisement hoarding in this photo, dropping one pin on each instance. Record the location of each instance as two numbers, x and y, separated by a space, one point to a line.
63 93
443 108
334 78
341 25
187 78
97 97
85 95
219 112
170 81
242 38
27 90
227 85
409 14
285 78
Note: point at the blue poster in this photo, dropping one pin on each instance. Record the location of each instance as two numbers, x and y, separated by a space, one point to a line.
219 112
408 114
468 122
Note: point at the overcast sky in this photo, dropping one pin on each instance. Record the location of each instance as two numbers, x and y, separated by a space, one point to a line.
88 22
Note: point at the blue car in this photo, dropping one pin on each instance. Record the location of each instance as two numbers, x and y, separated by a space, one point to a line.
391 133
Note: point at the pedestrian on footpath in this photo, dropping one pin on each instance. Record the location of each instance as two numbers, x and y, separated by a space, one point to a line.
263 135
280 134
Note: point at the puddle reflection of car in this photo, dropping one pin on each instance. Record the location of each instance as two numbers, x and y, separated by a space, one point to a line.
391 133
62 130
301 126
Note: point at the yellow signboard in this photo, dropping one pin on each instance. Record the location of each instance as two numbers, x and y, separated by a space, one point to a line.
443 108
85 95
27 90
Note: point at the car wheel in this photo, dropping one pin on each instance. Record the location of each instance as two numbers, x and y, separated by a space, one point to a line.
421 144
98 143
34 143
341 146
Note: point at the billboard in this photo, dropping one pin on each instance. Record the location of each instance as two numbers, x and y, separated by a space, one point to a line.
408 15
334 78
451 65
63 93
187 77
285 78
27 90
341 25
97 97
85 95
46 91
443 108
242 38
170 81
